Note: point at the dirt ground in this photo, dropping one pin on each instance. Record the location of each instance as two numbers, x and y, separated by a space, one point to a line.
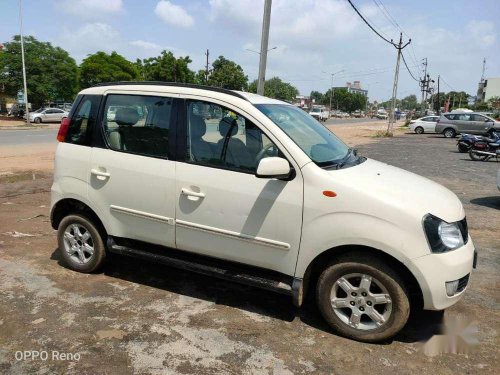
140 318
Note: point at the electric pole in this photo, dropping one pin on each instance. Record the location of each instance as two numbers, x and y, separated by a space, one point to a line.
27 111
399 47
263 47
439 101
423 84
206 67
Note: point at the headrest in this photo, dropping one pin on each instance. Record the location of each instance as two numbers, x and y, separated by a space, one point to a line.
198 128
127 116
228 123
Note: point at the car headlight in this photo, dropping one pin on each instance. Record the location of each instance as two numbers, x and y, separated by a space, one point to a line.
443 236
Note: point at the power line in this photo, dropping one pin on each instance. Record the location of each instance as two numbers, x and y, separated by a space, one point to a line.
446 83
409 71
368 24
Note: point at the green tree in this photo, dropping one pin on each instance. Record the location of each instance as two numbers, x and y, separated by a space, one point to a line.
166 67
51 73
317 96
409 102
227 74
277 89
101 67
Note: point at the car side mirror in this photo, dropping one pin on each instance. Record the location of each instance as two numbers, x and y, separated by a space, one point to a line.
273 167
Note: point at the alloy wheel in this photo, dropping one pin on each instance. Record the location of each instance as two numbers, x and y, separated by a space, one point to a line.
361 301
78 243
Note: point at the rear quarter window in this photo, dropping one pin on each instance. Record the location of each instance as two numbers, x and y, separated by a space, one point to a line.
83 120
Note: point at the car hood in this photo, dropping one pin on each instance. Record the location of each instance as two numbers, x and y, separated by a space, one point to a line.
402 190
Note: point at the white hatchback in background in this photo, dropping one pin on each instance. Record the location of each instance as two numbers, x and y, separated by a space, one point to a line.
254 190
425 124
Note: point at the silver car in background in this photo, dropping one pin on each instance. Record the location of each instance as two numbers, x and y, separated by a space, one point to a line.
453 123
48 115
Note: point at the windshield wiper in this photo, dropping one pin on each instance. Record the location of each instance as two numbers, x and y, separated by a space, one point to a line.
344 160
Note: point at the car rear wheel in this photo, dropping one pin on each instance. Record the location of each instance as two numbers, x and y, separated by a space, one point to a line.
449 133
38 120
80 244
362 299
419 130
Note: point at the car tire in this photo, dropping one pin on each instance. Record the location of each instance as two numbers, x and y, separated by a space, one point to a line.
419 130
449 133
81 245
37 120
384 284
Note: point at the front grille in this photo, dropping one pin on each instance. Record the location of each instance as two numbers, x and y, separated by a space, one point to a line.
462 283
462 225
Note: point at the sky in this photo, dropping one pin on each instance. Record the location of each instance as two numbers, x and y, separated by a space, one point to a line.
313 38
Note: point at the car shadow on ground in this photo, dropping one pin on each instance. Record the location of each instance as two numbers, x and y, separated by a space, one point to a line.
490 202
421 325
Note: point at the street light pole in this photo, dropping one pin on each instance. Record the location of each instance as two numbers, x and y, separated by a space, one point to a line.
331 88
27 112
263 47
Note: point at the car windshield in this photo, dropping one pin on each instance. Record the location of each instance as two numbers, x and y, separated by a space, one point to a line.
320 144
316 110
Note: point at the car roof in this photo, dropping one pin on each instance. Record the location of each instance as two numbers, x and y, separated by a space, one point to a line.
101 88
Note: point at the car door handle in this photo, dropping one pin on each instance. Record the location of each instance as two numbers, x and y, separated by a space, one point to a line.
100 174
191 193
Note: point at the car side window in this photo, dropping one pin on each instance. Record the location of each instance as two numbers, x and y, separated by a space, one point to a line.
138 124
220 137
478 118
83 120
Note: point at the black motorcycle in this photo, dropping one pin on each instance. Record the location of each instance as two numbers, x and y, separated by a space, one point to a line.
465 142
486 148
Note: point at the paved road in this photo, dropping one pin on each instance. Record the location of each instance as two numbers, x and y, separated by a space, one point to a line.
351 121
26 137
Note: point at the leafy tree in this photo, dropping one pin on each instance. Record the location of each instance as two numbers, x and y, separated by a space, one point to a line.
166 67
51 73
227 74
277 89
101 67
494 102
317 96
409 102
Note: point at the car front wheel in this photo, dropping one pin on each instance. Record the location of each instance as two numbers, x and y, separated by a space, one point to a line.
38 120
419 130
362 299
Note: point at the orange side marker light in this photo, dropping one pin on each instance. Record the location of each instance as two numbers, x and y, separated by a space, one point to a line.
329 193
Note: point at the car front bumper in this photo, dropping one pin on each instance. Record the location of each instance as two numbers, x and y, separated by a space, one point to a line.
433 271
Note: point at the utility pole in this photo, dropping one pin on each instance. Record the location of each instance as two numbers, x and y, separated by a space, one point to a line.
399 47
439 101
263 47
423 84
206 67
27 111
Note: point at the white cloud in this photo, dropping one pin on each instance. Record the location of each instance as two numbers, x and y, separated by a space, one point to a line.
145 45
483 32
173 15
90 38
90 8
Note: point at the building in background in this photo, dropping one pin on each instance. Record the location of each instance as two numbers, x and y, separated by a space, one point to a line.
488 88
356 87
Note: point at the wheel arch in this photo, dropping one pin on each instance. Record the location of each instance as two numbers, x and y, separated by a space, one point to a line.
67 206
326 257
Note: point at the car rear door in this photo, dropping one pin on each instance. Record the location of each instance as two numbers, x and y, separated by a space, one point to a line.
223 209
132 171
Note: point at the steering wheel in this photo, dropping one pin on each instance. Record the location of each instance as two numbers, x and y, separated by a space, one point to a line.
264 152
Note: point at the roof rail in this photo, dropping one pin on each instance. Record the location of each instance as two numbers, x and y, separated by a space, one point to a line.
162 83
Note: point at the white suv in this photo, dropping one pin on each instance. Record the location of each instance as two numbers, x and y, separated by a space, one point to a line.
256 191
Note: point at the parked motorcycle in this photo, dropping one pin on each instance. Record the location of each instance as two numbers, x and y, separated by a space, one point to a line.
485 149
465 142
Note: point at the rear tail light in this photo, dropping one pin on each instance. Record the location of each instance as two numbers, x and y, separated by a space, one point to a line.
63 129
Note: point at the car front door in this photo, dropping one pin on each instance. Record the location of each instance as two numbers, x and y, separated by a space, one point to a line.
481 123
57 115
223 209
132 174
